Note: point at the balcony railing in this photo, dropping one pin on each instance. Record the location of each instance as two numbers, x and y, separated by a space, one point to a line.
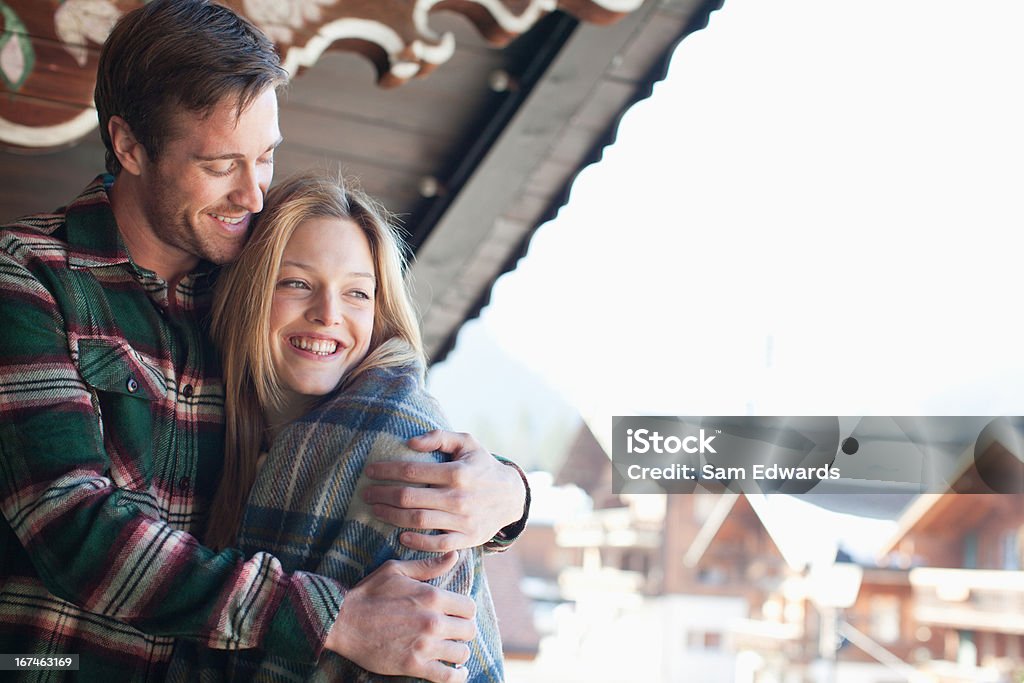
979 599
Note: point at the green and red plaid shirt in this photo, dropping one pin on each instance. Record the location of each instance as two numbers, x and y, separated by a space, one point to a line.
111 435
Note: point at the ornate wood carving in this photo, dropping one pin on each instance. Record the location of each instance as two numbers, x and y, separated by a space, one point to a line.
49 50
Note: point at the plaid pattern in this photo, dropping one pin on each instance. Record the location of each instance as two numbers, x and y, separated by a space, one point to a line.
306 509
111 413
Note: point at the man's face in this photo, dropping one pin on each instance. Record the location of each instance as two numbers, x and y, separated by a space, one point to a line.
210 178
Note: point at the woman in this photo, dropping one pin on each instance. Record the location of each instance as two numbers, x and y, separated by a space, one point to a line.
324 364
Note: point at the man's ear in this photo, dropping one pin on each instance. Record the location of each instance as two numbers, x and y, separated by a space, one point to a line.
127 149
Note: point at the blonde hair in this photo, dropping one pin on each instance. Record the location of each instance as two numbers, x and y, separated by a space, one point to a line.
241 322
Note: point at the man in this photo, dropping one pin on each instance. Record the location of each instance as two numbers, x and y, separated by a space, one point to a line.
111 402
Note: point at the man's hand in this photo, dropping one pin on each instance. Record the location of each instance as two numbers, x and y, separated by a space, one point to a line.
469 499
392 623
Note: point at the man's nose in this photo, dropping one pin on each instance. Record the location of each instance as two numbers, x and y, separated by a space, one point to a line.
249 190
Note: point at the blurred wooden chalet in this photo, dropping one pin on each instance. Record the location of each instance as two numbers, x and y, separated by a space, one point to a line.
965 554
469 118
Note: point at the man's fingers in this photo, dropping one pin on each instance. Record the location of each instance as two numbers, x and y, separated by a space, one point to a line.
446 442
426 569
430 473
434 543
454 652
459 610
442 673
416 519
404 496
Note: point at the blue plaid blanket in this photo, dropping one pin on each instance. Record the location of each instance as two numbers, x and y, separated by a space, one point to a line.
306 510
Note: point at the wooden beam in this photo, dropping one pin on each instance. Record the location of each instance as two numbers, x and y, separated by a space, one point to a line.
459 247
49 51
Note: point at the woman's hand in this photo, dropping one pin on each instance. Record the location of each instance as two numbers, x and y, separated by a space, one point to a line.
469 499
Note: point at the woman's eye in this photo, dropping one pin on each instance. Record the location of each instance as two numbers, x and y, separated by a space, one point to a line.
360 294
292 284
214 170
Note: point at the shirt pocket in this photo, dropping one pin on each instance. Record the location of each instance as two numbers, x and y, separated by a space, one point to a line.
113 366
126 392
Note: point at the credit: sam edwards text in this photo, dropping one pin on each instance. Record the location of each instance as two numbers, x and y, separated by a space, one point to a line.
708 471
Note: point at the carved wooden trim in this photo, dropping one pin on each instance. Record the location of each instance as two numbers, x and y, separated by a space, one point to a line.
48 52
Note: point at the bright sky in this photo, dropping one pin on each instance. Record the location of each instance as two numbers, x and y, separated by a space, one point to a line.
817 212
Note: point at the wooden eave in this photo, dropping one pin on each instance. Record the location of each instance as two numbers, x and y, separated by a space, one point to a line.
950 514
474 152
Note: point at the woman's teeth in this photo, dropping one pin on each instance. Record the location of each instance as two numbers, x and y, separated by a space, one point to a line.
321 347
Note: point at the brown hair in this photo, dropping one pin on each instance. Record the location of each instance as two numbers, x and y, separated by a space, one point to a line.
170 55
242 332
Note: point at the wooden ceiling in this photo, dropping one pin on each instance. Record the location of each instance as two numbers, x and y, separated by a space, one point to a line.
469 131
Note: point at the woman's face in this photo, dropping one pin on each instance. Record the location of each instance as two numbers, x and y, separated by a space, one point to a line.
321 318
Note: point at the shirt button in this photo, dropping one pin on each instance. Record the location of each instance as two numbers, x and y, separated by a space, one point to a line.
187 391
132 385
184 483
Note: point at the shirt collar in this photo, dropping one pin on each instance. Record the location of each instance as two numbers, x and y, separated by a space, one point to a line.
93 238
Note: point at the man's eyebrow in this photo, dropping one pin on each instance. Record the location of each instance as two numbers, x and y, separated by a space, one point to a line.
235 155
